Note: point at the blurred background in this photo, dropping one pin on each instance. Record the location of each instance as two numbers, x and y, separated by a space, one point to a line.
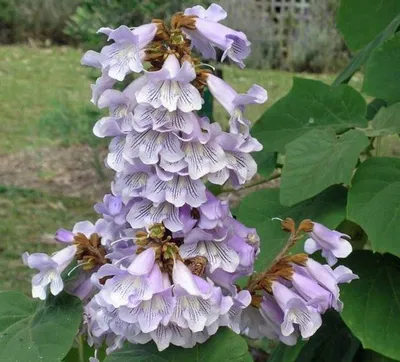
51 165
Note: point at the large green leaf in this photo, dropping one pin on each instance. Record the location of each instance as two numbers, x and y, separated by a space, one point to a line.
374 202
360 21
386 121
83 353
258 209
333 342
317 160
33 332
372 304
309 105
371 356
284 353
225 346
363 55
382 72
266 162
374 107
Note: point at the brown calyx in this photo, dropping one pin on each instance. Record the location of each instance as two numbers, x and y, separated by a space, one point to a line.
179 20
305 226
166 248
282 269
90 251
256 300
197 265
172 40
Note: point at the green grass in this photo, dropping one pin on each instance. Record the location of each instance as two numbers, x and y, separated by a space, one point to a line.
32 79
28 219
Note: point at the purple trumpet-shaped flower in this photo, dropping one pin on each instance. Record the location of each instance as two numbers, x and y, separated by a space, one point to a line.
129 286
213 213
331 242
296 312
50 269
124 55
209 34
94 59
329 279
213 247
144 213
160 119
343 274
149 146
315 295
130 182
121 105
235 103
179 190
238 303
149 314
240 166
198 301
111 205
170 87
274 317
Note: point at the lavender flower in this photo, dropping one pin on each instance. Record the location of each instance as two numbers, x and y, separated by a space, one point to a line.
209 33
331 243
170 87
123 56
296 312
235 103
50 269
94 59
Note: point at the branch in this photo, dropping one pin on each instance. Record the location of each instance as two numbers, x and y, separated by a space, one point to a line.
258 183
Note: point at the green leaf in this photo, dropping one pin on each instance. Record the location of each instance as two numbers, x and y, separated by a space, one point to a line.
386 121
309 105
266 162
363 55
257 210
317 160
371 356
374 202
284 353
371 304
374 107
360 21
33 332
333 342
225 346
382 72
75 354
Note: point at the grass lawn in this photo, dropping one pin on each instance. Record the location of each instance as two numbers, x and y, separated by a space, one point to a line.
44 97
28 220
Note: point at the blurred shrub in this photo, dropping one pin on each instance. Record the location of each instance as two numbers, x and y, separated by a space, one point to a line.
7 16
259 28
304 44
93 14
317 46
42 20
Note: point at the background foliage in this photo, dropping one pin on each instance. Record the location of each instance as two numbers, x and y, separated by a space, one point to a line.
314 46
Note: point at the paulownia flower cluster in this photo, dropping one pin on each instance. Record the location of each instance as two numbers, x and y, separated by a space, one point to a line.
163 260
